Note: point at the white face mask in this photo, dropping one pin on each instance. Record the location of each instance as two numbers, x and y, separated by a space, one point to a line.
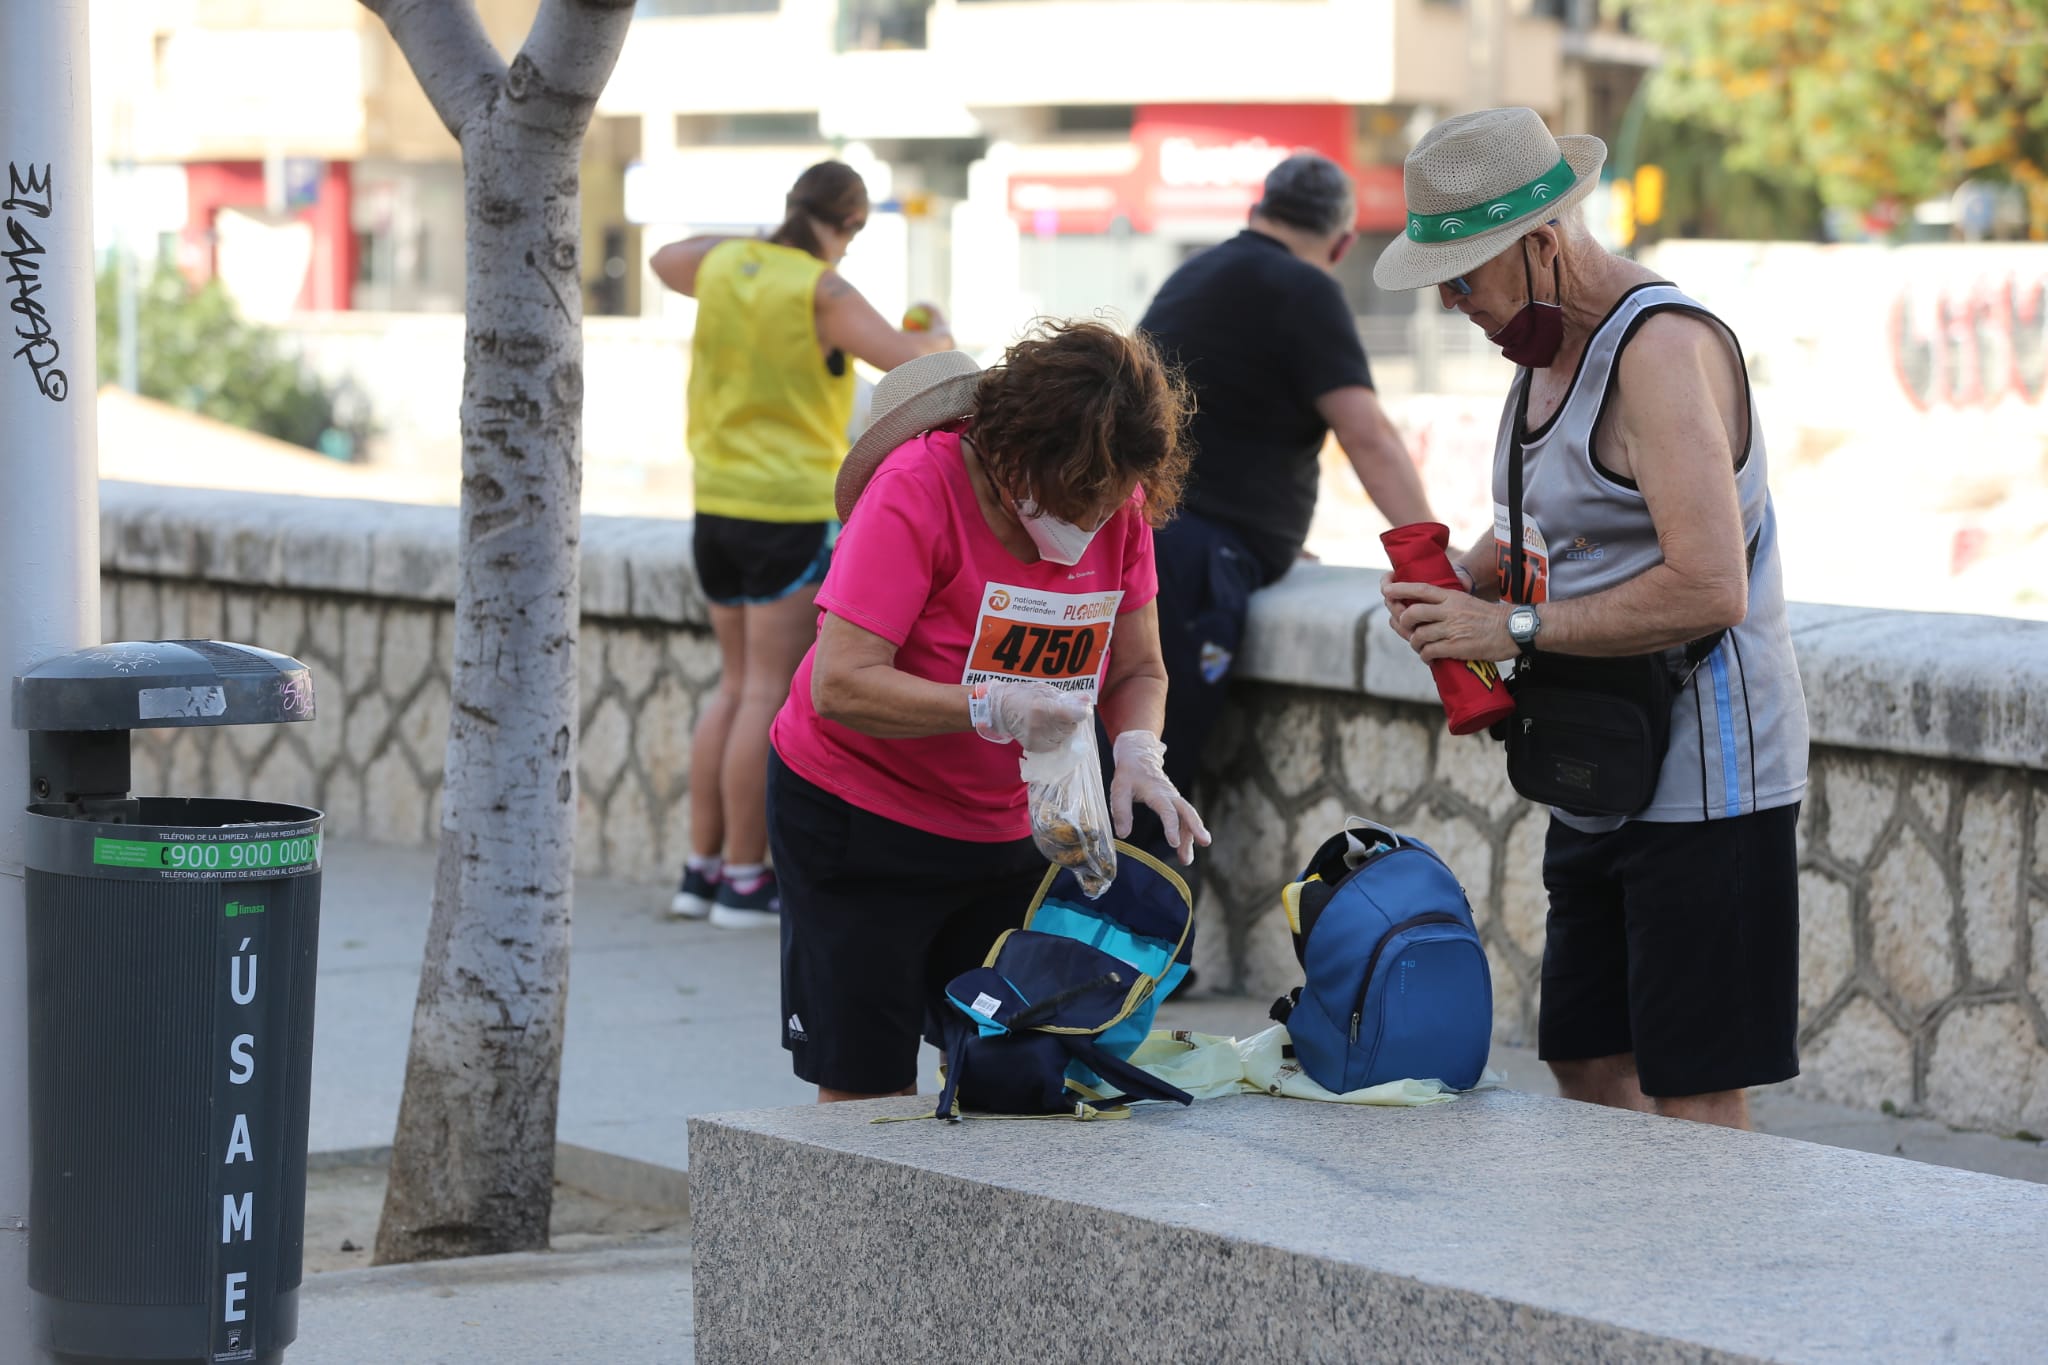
1058 542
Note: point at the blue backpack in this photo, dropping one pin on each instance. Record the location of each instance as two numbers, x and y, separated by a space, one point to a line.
1397 986
1045 1024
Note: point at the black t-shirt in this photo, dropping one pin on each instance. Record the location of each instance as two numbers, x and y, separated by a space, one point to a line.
1262 335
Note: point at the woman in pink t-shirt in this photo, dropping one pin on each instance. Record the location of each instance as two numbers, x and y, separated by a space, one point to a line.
995 579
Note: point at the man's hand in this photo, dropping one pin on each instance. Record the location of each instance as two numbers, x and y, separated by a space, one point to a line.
1448 625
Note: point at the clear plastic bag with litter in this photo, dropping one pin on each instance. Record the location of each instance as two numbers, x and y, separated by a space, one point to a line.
1070 810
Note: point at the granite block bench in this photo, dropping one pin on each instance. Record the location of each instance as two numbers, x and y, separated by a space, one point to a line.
1500 1227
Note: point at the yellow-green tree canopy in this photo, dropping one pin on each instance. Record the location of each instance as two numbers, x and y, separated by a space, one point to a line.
1865 99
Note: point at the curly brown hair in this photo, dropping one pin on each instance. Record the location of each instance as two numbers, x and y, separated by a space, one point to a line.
1076 413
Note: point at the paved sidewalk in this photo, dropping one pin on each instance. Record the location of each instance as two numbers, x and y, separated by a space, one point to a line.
669 1019
626 1305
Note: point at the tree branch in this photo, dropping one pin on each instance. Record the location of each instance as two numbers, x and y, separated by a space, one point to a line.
570 51
445 45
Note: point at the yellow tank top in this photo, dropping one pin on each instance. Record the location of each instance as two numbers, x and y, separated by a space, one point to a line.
767 418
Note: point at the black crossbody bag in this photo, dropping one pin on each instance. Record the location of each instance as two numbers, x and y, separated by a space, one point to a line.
1588 735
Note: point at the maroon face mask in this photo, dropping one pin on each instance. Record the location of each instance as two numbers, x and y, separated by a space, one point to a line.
1534 335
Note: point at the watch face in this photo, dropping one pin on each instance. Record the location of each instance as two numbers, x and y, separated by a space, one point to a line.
1521 623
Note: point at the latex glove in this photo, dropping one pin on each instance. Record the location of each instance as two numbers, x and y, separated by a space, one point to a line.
1037 715
1141 776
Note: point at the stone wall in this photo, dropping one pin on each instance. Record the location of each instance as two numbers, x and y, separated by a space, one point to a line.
1924 838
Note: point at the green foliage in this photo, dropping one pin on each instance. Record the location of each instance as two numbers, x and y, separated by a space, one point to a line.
194 351
1865 100
1707 196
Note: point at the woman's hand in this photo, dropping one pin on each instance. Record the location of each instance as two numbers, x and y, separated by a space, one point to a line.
1037 715
1141 777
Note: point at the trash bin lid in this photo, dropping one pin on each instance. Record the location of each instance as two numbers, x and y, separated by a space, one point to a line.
147 684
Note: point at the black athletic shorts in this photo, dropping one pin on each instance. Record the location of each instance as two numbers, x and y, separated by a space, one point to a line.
876 918
1679 943
750 563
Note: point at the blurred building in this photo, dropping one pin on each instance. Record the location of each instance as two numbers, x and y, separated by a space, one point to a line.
1029 155
284 146
1064 155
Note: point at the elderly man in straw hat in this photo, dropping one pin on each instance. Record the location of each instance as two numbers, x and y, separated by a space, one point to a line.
1635 561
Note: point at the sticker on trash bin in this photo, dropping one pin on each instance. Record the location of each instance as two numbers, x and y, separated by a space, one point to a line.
165 703
213 858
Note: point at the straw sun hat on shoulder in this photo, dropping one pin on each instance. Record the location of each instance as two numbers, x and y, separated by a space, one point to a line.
915 397
1475 184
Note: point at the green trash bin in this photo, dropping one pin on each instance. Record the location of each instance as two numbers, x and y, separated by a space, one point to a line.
172 943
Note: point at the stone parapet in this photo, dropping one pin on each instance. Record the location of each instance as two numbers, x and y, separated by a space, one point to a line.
1967 688
634 568
1498 1227
1943 686
1924 837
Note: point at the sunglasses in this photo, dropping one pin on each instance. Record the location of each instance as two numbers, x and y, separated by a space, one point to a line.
1460 285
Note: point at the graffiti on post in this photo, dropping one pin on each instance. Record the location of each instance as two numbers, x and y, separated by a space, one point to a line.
1972 346
29 200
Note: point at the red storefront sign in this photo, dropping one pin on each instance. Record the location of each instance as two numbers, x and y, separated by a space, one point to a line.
1382 198
1210 160
1207 163
1050 204
322 202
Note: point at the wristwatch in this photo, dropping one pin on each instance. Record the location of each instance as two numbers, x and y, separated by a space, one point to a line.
1523 625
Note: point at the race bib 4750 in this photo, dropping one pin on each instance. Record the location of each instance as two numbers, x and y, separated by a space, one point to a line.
1051 637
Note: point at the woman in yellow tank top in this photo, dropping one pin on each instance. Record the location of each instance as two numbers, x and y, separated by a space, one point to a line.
771 396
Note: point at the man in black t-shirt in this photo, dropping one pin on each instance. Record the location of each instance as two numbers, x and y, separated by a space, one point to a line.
1269 344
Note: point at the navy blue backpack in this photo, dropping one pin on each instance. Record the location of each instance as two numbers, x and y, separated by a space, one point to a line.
1397 986
1045 1025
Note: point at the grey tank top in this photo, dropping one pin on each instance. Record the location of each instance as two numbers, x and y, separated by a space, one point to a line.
1738 730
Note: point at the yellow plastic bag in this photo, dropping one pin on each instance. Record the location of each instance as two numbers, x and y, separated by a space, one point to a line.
1209 1066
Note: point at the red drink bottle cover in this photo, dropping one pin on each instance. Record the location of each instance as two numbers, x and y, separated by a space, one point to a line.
1473 692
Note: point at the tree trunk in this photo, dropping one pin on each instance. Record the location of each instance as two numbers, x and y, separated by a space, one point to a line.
472 1166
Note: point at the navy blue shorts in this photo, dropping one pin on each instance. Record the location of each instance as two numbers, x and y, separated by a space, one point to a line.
876 918
1677 942
1207 576
752 563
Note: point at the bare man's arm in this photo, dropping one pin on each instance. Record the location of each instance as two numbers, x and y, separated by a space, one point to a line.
1675 425
1378 455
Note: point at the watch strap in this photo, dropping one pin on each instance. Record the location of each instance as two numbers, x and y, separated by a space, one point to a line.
981 712
1525 643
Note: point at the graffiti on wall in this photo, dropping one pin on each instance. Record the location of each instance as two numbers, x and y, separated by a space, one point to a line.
1971 345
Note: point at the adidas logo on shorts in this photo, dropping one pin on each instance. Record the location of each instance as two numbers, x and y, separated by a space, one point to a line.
796 1030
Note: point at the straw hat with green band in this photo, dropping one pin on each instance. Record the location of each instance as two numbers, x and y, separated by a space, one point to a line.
1475 184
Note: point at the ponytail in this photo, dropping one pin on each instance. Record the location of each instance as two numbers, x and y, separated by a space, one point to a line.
829 192
798 228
